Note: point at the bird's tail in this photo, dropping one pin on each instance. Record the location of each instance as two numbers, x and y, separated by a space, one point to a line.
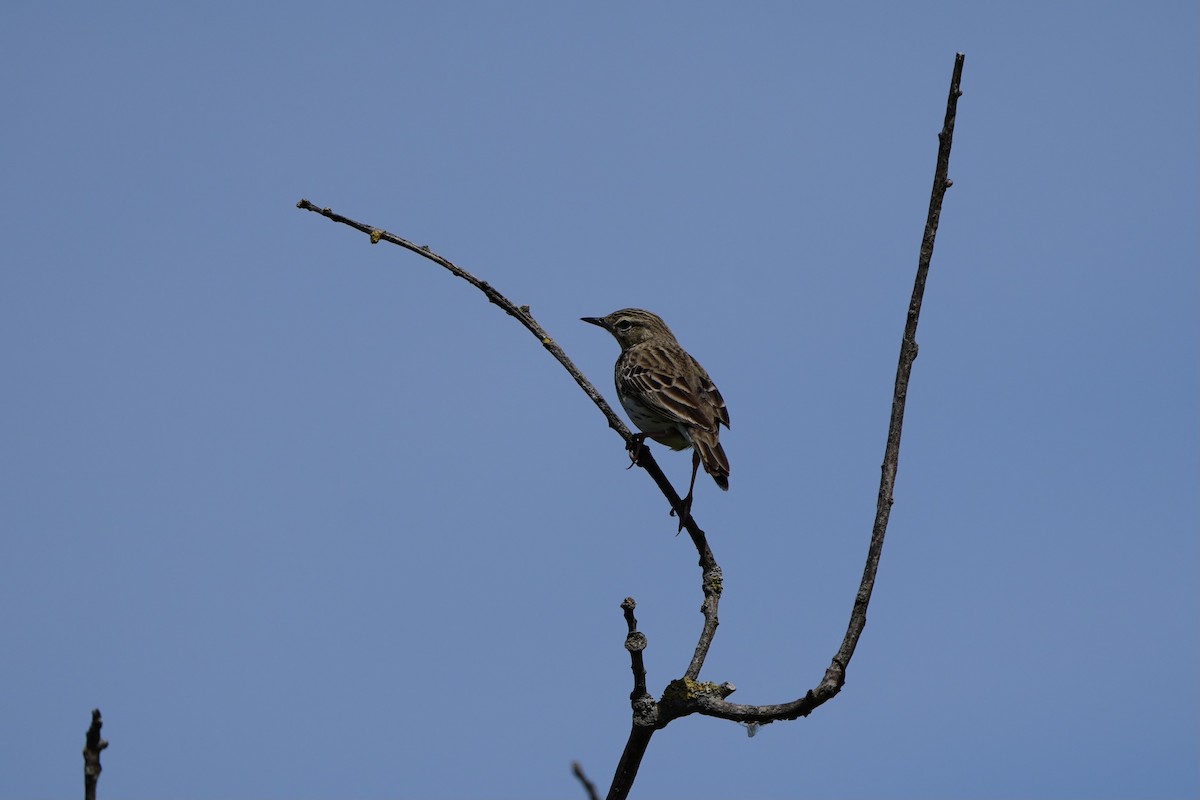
712 456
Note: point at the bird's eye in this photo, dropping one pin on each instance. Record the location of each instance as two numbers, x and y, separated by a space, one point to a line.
624 325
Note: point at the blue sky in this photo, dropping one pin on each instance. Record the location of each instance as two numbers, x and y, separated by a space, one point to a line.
309 518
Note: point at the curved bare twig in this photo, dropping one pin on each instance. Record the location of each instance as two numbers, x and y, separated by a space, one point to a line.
701 698
522 314
588 786
713 704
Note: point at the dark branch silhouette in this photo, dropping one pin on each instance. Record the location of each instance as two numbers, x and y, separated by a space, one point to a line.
588 786
688 695
93 744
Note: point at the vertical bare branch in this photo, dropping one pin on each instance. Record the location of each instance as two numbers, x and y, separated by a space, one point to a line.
635 643
908 354
93 744
645 710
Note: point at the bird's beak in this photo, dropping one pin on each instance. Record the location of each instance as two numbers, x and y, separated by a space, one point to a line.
595 321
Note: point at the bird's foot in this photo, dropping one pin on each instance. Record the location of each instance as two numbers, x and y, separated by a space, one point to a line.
686 516
635 450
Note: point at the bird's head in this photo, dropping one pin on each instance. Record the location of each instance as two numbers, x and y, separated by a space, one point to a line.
631 326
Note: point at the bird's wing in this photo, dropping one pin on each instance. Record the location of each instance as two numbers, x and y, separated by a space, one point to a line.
661 379
714 396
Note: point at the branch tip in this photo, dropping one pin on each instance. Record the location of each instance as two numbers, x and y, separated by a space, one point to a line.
588 786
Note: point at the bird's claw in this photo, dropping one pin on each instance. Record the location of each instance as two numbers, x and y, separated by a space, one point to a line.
686 516
635 451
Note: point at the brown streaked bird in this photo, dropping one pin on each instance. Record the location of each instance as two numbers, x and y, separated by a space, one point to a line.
667 394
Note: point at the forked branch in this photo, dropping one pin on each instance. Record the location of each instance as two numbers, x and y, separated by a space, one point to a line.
688 695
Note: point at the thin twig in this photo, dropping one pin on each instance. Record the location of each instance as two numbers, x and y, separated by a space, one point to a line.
645 709
711 584
635 643
588 786
522 314
908 354
93 744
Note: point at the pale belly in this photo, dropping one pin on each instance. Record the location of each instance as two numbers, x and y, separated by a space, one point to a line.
671 434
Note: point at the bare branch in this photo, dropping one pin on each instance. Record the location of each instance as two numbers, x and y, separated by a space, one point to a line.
522 314
645 709
631 761
688 695
711 704
645 714
93 744
635 643
908 354
588 786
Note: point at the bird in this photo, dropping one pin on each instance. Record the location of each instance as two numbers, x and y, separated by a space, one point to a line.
667 394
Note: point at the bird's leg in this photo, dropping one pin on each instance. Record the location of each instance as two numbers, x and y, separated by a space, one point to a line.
686 505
